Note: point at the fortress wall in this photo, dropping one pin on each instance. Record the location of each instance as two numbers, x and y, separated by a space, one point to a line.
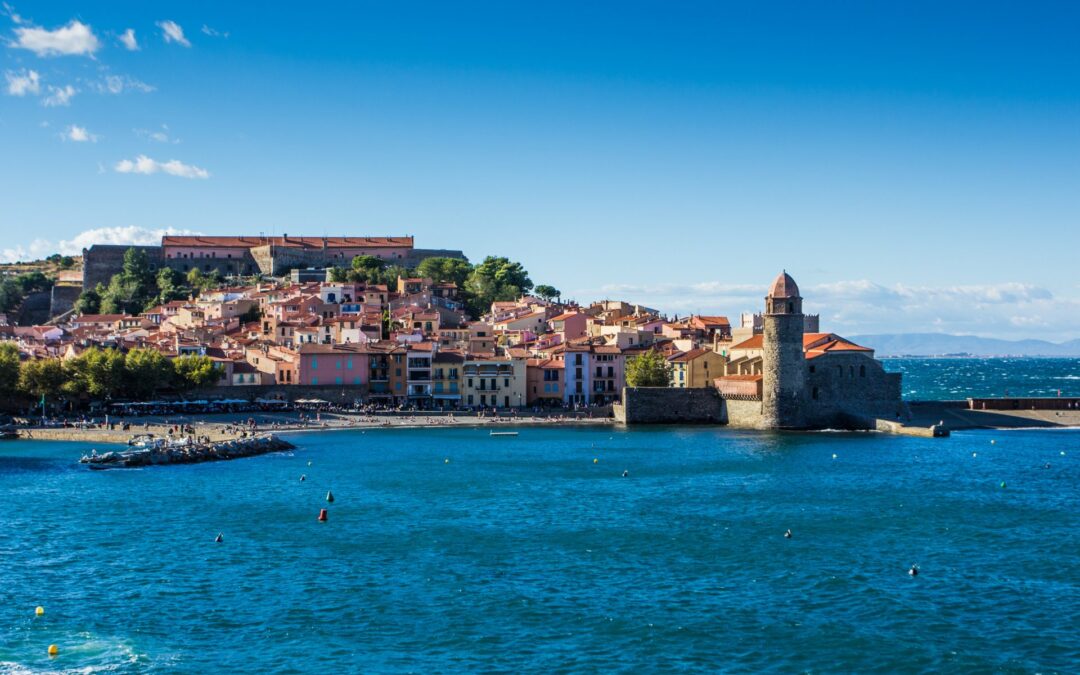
63 297
668 405
851 384
102 261
743 414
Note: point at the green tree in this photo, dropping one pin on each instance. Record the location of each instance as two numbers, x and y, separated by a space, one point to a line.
368 268
137 267
145 371
649 369
134 289
171 286
195 372
547 292
9 368
495 279
339 275
42 377
89 302
442 270
97 372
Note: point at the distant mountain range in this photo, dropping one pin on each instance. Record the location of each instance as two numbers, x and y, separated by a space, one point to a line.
941 344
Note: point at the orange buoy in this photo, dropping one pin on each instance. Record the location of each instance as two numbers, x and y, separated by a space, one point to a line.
322 515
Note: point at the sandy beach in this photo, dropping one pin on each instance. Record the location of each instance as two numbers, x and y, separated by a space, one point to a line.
228 426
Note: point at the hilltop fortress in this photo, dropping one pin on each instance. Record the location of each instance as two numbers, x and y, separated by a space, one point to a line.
244 256
782 378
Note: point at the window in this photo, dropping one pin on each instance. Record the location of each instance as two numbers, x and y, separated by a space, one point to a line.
470 382
470 399
314 380
338 364
314 363
813 393
483 399
555 388
812 368
356 380
611 370
577 361
350 364
862 371
337 380
506 381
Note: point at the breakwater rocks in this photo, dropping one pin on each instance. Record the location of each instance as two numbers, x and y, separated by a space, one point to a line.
186 452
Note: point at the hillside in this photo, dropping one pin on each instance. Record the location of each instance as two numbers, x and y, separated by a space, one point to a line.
940 344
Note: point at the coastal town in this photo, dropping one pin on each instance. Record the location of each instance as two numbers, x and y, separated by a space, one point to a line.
376 322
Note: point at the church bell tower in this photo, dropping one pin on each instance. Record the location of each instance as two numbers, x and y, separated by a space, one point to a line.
783 364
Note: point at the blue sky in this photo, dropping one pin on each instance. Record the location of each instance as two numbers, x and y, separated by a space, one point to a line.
916 166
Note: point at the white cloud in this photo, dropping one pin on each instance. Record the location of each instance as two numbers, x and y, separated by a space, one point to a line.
172 32
74 39
145 165
25 82
207 30
10 11
127 38
79 134
118 84
40 248
160 136
862 306
59 96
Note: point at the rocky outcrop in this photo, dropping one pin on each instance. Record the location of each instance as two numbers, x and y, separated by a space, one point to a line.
187 453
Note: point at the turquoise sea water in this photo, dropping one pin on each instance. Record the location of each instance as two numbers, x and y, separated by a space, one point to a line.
522 555
952 379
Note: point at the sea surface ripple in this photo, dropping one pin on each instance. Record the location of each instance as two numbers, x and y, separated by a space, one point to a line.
522 554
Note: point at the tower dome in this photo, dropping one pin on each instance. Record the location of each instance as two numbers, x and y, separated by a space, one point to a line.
784 287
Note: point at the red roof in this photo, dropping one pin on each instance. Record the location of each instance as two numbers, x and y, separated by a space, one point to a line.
287 242
784 287
754 342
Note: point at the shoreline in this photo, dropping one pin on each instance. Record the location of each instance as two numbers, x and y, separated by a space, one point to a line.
225 427
228 426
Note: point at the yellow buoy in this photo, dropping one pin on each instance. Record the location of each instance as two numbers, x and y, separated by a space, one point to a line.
39 610
595 461
53 650
446 461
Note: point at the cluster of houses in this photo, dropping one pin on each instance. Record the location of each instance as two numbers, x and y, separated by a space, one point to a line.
414 344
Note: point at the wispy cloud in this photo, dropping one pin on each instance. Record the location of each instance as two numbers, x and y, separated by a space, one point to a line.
127 38
118 84
59 96
131 235
207 30
161 135
863 306
23 83
11 14
172 32
79 134
74 39
145 165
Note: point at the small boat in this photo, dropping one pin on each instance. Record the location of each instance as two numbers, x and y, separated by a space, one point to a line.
504 433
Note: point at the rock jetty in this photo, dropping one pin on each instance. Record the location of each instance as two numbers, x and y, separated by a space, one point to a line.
186 452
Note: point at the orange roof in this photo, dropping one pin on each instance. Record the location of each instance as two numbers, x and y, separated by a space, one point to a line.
689 356
740 378
754 342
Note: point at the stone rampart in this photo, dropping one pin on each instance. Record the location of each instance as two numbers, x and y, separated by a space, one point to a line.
669 405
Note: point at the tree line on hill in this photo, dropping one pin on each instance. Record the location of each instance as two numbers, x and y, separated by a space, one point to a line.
495 279
136 288
102 374
13 290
